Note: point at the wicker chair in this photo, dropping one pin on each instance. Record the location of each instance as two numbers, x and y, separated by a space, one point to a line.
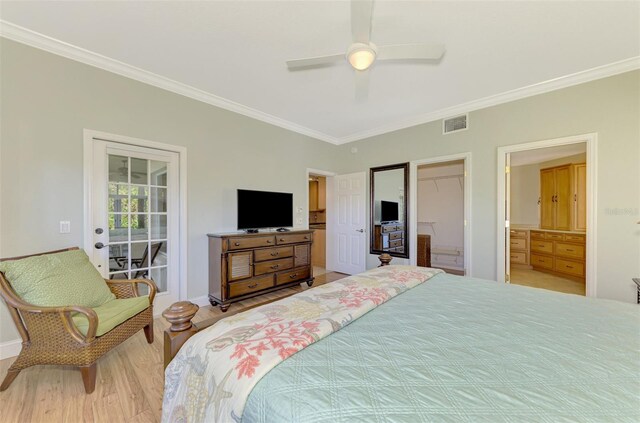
49 335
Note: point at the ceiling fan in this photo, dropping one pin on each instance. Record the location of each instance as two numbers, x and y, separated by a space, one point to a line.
362 53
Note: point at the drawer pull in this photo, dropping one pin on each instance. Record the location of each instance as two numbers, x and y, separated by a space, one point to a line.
252 286
268 241
569 250
237 244
306 237
281 239
275 253
295 275
541 245
568 267
275 266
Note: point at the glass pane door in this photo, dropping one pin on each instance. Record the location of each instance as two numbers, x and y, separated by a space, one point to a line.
137 217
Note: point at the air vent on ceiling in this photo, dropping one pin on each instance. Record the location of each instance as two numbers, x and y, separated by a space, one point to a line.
455 124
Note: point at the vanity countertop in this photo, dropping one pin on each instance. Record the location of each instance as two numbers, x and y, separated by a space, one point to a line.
536 228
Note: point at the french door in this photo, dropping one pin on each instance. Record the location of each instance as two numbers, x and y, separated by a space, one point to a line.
135 221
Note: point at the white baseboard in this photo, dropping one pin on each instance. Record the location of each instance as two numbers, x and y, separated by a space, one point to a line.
10 348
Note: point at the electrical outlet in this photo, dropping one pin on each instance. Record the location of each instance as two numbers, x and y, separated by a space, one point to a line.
299 209
299 221
65 226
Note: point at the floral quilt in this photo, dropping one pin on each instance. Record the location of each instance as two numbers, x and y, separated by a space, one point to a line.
214 372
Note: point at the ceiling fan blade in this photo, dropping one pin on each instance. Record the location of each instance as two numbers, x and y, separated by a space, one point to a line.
361 12
410 51
314 61
362 84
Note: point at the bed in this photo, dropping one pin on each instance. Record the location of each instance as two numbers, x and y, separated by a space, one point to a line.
412 344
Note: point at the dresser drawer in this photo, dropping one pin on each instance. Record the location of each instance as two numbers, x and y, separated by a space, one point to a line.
395 235
256 284
241 243
569 250
574 238
388 228
293 275
293 238
272 253
518 258
395 243
272 266
518 244
542 246
542 261
536 235
517 233
569 267
554 236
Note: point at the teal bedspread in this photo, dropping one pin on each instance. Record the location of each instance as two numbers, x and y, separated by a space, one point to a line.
459 349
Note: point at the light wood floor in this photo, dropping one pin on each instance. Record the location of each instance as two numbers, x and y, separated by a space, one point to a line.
129 384
543 280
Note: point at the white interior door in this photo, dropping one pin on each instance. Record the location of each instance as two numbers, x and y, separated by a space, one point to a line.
135 216
350 228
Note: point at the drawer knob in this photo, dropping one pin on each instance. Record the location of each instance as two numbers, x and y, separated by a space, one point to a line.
237 244
306 237
295 275
268 241
275 266
252 286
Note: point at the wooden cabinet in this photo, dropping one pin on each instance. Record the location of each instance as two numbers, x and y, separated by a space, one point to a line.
563 197
519 246
560 253
389 237
246 265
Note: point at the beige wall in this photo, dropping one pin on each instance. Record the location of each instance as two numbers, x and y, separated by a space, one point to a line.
48 100
610 107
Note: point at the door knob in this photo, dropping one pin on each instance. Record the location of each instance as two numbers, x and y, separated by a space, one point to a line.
99 231
99 245
360 230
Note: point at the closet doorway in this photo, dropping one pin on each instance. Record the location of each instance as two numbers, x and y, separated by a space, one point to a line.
319 210
439 202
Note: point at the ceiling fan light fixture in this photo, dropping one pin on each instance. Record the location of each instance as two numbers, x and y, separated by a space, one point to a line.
361 56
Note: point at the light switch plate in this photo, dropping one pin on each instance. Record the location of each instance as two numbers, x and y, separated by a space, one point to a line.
65 226
299 221
299 209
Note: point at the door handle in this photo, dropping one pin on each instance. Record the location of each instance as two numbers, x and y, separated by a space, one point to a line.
360 230
99 245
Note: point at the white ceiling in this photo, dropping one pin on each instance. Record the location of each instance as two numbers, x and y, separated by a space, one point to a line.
237 51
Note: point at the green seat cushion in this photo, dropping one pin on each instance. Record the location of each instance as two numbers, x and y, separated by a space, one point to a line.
59 279
112 313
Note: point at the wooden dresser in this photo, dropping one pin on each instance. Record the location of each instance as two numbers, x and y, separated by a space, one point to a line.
244 265
557 252
519 247
389 237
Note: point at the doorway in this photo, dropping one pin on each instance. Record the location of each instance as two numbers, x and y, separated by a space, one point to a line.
547 215
440 213
318 213
546 233
133 214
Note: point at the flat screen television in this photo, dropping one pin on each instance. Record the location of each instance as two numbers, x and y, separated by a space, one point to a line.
264 209
388 211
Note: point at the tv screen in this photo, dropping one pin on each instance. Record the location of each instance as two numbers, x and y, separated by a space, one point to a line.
264 209
388 211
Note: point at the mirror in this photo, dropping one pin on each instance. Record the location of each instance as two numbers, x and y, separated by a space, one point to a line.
389 215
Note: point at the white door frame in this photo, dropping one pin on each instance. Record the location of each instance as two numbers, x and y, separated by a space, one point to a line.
329 211
591 140
413 205
89 136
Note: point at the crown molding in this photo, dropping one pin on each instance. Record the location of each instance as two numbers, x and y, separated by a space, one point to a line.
61 48
581 77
